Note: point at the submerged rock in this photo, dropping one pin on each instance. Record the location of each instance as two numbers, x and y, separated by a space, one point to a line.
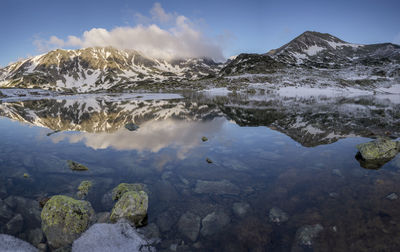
76 166
189 225
5 211
305 235
380 148
83 188
125 187
241 209
214 222
131 206
13 244
15 225
373 164
35 236
111 237
28 208
131 126
64 219
276 215
392 196
166 220
216 187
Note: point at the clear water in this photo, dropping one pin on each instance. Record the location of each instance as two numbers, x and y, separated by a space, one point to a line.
296 154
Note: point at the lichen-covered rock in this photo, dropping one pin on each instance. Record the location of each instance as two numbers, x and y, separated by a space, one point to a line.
64 219
380 148
125 187
83 188
132 206
76 166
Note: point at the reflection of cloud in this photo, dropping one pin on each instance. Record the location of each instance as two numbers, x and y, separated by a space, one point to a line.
151 136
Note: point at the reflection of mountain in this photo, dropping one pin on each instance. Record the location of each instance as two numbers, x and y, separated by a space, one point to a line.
309 121
98 114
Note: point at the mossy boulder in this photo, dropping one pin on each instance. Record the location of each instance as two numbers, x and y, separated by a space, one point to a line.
132 206
83 188
64 219
76 166
125 187
380 148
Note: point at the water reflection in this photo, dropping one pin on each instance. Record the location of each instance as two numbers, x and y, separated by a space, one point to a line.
275 158
152 135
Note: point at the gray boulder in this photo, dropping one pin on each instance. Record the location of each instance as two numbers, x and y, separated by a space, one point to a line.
111 237
10 243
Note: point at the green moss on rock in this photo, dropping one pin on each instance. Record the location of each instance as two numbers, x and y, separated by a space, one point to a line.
83 188
380 148
64 219
132 206
125 187
76 166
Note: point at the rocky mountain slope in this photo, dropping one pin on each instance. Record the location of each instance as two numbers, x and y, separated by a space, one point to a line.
324 50
98 68
318 50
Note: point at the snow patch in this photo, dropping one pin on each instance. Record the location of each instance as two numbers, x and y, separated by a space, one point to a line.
313 50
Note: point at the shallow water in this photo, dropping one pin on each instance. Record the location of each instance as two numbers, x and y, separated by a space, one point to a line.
295 154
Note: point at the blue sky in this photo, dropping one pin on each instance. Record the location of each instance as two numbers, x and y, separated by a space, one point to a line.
208 26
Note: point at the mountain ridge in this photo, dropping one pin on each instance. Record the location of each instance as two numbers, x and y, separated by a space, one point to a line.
106 68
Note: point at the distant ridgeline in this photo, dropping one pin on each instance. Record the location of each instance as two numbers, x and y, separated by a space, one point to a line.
93 69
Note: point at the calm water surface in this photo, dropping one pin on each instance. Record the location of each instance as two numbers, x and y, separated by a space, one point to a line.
294 154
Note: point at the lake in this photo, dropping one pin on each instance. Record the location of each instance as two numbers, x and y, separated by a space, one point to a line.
273 173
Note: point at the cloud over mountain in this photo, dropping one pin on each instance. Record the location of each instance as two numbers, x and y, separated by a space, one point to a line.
180 40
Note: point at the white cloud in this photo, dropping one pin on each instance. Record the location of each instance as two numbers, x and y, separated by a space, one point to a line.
181 40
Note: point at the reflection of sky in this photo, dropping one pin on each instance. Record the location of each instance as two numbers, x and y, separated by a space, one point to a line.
152 136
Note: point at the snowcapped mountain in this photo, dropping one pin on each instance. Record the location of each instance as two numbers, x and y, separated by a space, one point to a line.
324 50
313 50
110 69
97 68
